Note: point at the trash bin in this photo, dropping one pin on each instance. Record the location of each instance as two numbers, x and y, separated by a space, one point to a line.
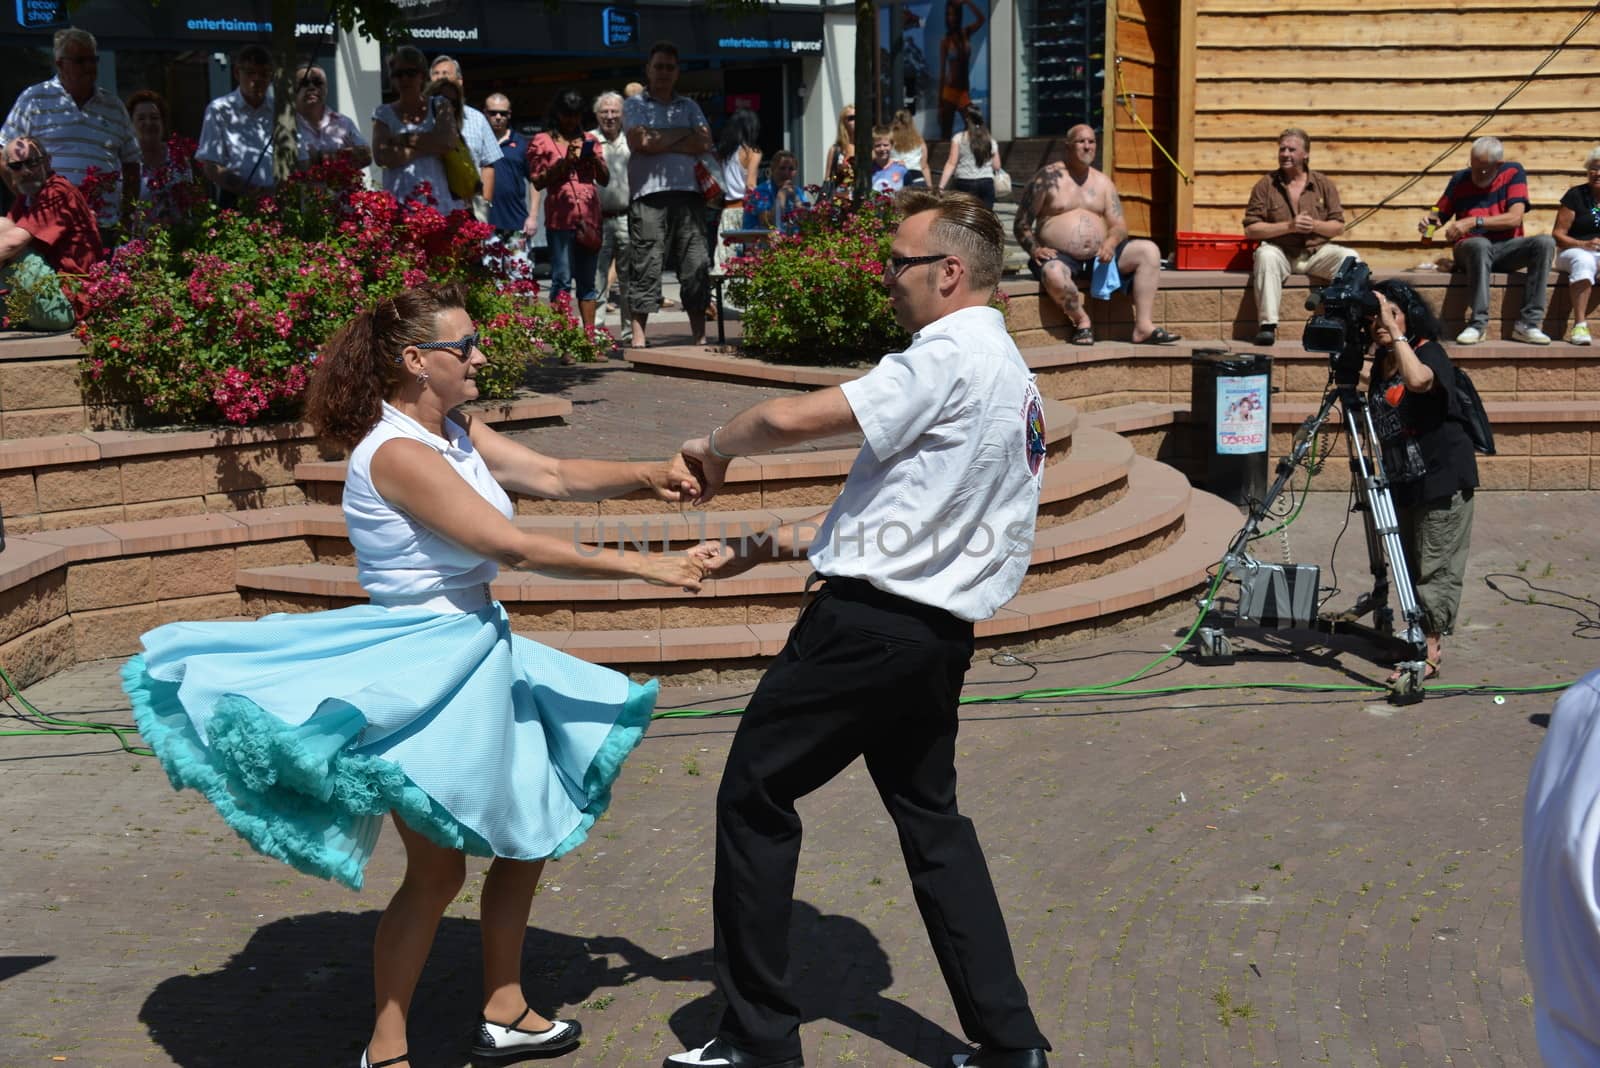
1231 416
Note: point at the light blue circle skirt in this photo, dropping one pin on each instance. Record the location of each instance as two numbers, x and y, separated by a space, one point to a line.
305 730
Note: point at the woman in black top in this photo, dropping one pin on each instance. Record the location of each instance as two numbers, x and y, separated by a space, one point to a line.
1577 234
1427 455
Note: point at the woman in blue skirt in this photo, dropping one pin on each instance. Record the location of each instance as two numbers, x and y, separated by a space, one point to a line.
305 730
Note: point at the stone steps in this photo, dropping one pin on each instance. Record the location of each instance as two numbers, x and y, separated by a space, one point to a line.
1151 544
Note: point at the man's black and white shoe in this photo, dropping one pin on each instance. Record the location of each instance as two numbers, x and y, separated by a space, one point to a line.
500 1040
719 1054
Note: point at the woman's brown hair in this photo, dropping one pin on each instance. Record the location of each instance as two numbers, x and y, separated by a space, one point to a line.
359 367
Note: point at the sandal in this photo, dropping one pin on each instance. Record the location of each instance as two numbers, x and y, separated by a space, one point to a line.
1158 336
404 1058
1083 335
1430 671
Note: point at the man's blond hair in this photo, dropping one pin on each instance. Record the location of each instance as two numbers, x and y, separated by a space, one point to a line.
963 226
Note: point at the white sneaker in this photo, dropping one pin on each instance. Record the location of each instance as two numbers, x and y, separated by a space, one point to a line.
1470 336
1579 334
498 1040
1532 335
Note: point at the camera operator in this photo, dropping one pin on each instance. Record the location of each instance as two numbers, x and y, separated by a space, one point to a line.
1427 455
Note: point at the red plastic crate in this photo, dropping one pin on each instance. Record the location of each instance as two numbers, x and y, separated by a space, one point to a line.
1214 252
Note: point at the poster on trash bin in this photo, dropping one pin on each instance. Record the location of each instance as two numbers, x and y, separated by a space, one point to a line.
1242 414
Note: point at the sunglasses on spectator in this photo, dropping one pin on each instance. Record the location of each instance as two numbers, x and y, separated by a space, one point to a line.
463 348
25 164
319 83
496 111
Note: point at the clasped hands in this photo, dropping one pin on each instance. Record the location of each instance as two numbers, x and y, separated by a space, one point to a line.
693 476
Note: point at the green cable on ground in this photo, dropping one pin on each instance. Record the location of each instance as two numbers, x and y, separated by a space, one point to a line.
69 726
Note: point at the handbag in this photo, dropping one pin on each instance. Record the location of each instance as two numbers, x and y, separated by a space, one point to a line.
460 169
1002 182
710 188
586 229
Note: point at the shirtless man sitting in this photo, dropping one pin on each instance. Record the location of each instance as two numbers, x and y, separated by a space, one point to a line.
1071 218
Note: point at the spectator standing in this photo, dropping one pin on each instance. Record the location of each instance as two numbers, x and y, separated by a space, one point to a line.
1577 235
149 114
565 164
50 231
476 131
739 152
909 147
771 205
888 173
411 135
512 212
839 169
1295 213
235 150
974 157
321 132
80 125
667 134
1481 211
612 264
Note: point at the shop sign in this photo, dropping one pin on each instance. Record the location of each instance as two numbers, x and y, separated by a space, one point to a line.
619 27
41 14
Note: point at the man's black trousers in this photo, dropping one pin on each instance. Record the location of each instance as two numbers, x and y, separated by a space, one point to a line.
868 674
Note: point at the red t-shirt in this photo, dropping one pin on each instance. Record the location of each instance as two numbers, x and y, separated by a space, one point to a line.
571 198
64 230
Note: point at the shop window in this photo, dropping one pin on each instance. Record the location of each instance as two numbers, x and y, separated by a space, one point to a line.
1061 65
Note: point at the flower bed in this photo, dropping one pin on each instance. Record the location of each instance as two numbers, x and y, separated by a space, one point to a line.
215 315
816 296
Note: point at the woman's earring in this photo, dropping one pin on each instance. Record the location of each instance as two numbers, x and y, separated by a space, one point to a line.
422 378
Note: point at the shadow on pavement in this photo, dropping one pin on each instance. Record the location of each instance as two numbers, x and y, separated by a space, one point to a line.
300 992
840 972
10 967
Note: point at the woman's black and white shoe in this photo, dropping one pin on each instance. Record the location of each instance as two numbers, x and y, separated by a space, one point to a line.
402 1059
501 1040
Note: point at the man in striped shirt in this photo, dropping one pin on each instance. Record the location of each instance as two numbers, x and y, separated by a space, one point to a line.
81 125
1484 205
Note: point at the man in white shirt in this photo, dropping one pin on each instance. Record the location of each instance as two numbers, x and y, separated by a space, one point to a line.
667 134
614 200
476 132
322 132
931 533
80 124
1560 897
235 150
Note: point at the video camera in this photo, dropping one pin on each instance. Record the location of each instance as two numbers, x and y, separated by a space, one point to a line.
1340 329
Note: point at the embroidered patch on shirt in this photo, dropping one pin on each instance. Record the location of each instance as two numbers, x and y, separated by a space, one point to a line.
1033 430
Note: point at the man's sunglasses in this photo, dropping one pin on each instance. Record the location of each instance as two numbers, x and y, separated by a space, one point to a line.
25 164
462 348
320 83
497 111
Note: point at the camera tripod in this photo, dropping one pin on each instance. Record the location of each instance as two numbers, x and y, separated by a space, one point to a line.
1285 595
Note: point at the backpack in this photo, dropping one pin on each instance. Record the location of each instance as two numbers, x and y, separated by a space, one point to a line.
1473 416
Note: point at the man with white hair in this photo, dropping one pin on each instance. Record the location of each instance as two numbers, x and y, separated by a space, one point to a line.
1481 211
614 201
80 124
475 131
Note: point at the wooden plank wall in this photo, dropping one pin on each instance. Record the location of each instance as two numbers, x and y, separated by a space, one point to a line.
1383 87
1143 34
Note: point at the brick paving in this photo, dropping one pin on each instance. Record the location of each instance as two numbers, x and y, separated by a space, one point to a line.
1235 877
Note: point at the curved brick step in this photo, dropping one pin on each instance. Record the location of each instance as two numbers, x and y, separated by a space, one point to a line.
1138 526
773 480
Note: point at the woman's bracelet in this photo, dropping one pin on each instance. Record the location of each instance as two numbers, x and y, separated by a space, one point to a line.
718 453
